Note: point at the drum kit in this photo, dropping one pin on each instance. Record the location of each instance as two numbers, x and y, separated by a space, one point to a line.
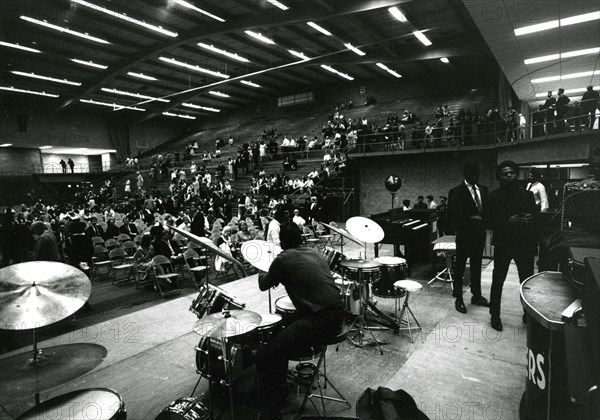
36 294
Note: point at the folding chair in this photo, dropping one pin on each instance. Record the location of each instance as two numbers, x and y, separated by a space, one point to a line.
323 236
97 240
137 239
99 260
166 278
111 244
120 261
123 237
129 248
194 265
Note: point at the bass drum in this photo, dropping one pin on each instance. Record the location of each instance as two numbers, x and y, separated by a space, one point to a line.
185 409
209 352
212 300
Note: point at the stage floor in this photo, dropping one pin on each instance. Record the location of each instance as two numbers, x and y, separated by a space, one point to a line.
458 367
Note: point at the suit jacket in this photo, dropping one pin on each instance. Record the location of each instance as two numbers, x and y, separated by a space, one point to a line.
132 229
461 207
92 231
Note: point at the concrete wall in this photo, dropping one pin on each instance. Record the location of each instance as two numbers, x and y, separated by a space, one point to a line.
12 158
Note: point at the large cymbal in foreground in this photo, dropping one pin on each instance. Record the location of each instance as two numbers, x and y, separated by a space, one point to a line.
260 254
365 229
227 325
38 293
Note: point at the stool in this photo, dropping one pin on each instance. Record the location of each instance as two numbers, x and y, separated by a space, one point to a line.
447 249
318 373
406 313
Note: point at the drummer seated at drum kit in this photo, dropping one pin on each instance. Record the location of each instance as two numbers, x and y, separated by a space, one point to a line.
319 315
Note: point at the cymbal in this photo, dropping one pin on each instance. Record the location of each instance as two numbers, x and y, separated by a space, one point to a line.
260 254
38 293
365 229
360 264
55 366
219 325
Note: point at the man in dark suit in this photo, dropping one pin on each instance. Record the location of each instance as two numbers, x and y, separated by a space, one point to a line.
94 229
128 228
314 211
112 231
465 203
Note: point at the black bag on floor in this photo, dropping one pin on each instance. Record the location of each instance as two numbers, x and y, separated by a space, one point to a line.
385 404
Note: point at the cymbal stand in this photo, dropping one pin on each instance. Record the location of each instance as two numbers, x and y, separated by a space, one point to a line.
360 323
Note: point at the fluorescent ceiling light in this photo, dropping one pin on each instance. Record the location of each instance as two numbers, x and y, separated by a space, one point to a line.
445 60
217 93
65 30
126 18
397 14
134 95
45 147
223 52
567 91
382 66
389 70
89 63
278 4
421 37
319 28
19 47
299 55
206 108
586 17
354 49
260 37
141 76
393 73
197 9
339 73
30 92
5 144
115 107
561 165
567 54
192 67
566 76
171 114
249 83
48 78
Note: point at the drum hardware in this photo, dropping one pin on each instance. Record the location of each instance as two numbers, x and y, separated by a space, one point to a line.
212 299
260 254
343 234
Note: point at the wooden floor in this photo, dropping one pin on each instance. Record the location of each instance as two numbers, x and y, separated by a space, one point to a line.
457 368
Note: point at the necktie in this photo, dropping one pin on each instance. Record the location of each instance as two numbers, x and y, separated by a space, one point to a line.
477 200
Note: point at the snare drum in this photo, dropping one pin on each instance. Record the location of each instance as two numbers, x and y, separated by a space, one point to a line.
215 298
334 259
184 408
368 275
96 403
392 270
285 308
350 295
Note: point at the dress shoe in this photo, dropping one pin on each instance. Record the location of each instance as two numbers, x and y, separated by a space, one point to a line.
497 324
460 306
480 301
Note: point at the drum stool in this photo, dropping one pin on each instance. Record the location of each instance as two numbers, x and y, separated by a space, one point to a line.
408 286
447 250
318 373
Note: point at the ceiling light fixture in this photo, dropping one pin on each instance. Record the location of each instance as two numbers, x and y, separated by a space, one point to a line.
339 73
193 67
30 92
299 55
48 78
45 147
397 14
133 95
567 91
126 18
217 93
206 108
445 60
223 52
389 70
197 9
19 47
260 37
278 4
354 49
116 107
319 28
141 76
89 63
566 76
382 66
586 17
171 114
249 83
567 54
65 30
421 37
5 144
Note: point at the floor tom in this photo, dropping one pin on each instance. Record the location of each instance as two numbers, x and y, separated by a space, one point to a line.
392 270
184 409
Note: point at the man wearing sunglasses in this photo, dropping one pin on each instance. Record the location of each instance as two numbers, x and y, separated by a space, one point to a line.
511 213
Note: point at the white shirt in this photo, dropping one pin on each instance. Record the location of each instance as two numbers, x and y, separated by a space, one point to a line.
299 221
539 192
474 189
273 231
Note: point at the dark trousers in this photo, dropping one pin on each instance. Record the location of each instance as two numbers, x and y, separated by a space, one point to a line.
310 330
468 245
502 258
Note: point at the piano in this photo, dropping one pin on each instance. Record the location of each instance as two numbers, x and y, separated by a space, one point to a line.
415 229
